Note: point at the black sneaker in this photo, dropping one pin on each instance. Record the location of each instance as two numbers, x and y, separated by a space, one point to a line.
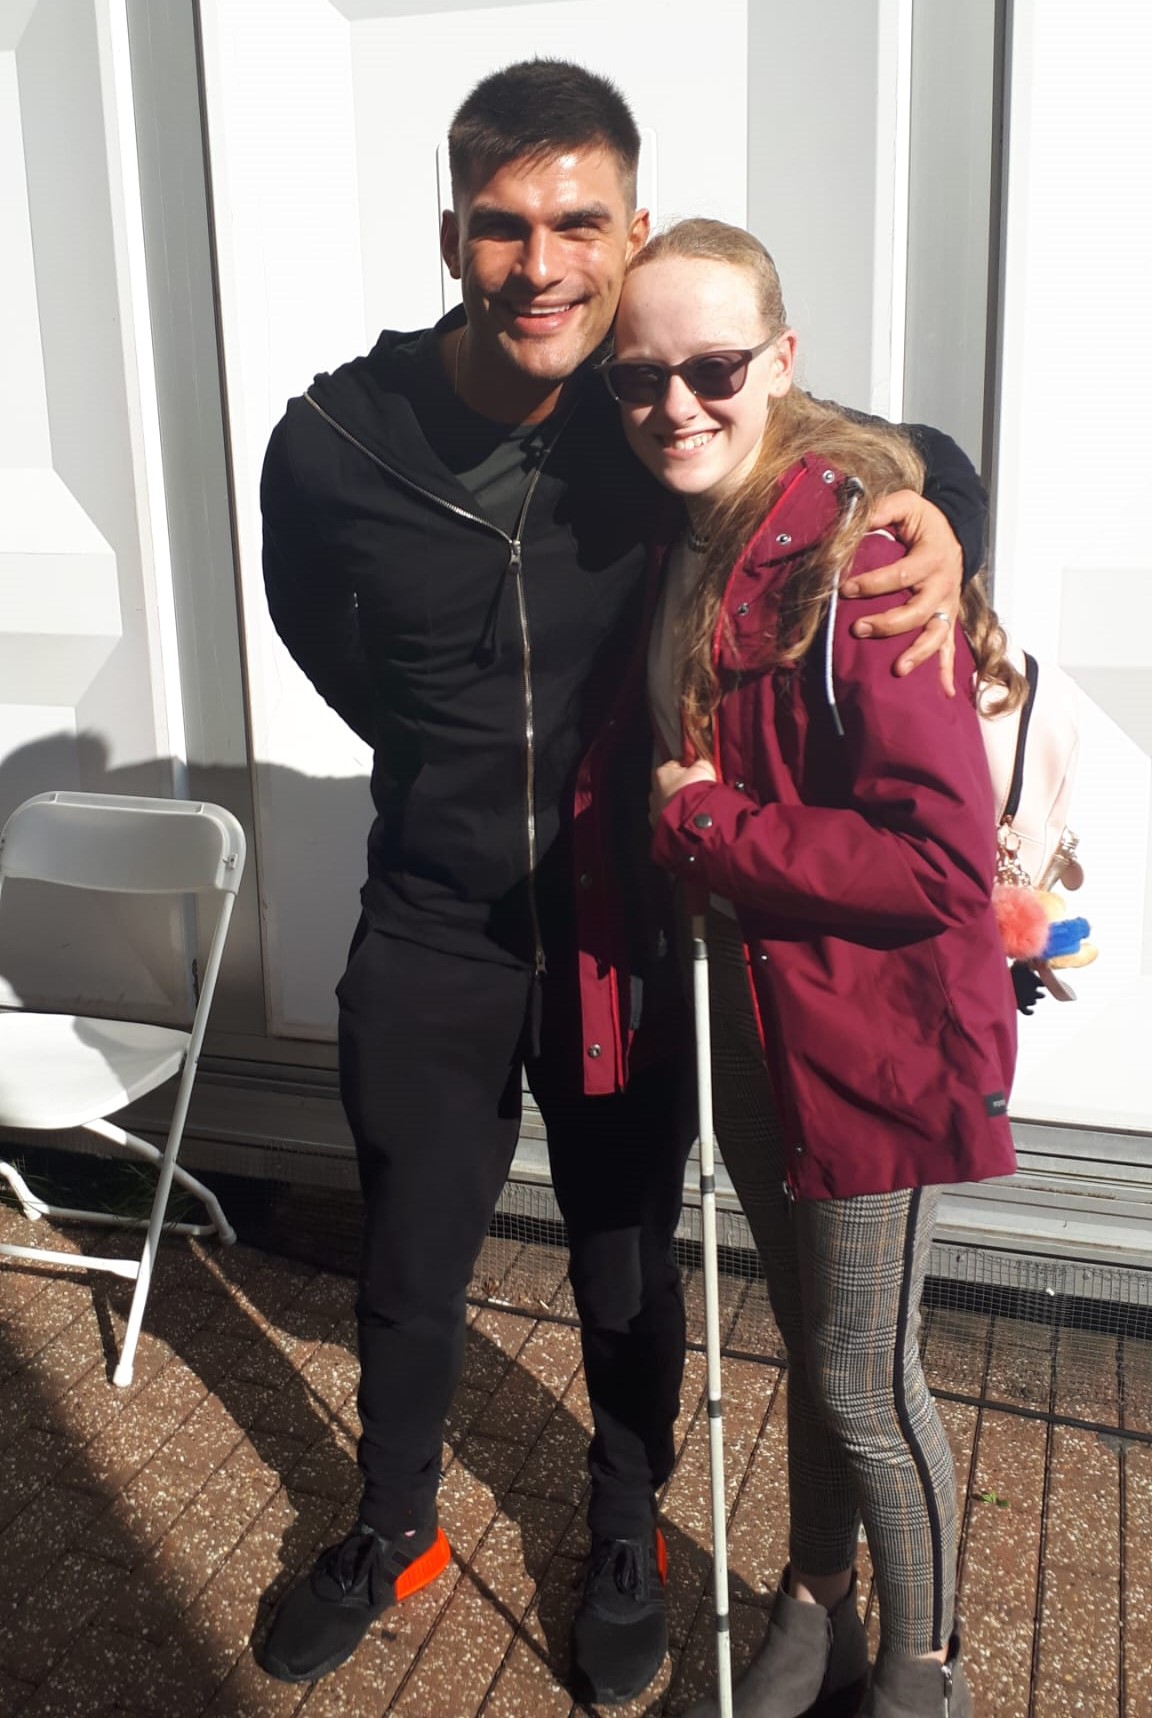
620 1631
324 1618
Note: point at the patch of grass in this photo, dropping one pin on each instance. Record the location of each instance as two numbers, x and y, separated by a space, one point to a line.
993 1497
125 1187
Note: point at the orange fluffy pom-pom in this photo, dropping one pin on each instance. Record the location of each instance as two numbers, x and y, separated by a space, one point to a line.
1022 920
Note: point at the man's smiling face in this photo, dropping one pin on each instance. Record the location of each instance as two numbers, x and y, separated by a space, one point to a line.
540 249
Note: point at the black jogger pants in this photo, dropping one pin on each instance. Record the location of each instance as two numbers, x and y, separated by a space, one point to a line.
431 1052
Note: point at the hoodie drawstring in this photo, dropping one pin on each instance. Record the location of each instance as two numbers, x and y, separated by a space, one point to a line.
853 490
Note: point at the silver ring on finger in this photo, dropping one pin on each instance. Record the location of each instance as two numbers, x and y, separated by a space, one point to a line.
942 614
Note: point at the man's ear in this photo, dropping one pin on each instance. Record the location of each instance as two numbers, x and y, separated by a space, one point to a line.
450 242
638 230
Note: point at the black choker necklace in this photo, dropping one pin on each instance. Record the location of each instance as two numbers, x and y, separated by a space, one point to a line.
698 544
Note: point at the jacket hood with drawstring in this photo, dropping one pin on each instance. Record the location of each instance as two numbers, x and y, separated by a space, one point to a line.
860 866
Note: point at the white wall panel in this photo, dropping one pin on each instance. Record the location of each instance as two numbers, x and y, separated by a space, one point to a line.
207 682
24 422
84 695
827 115
281 134
1072 560
953 160
59 599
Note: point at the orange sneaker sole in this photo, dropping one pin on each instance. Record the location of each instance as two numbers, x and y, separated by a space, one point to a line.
424 1569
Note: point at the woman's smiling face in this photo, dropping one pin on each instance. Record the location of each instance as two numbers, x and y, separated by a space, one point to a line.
678 308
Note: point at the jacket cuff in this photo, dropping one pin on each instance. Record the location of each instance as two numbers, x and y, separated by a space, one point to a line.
693 826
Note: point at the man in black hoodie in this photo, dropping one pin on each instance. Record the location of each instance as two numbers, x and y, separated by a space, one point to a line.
455 545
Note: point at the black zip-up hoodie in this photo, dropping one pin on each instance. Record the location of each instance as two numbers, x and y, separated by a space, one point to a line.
478 675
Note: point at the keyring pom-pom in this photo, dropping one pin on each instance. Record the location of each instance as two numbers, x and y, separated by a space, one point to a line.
1024 925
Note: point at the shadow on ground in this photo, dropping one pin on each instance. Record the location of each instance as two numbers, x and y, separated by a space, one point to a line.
146 1541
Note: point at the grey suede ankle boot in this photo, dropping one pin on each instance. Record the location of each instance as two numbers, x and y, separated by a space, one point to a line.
812 1661
919 1687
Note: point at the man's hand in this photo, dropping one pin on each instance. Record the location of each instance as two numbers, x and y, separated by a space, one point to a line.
933 569
669 778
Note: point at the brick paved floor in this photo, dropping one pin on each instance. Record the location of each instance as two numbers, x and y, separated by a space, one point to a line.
144 1533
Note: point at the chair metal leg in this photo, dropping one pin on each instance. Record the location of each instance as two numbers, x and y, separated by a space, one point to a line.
83 1261
123 1373
31 1204
139 1272
124 1366
110 1220
169 1171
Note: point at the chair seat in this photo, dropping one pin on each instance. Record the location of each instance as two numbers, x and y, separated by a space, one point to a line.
63 1070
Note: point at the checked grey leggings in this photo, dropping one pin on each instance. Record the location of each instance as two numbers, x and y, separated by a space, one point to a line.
845 1278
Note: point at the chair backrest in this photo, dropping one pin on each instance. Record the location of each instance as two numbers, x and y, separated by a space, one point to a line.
114 841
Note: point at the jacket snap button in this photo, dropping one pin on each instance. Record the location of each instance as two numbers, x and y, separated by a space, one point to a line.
829 476
763 957
585 879
703 820
739 786
743 609
593 1051
784 539
799 1151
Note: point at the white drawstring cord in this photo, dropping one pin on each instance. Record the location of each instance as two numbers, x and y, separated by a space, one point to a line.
853 489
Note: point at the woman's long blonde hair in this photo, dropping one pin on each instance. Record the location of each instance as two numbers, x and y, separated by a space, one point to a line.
879 457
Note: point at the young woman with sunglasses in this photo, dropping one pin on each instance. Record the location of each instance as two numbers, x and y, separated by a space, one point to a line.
841 822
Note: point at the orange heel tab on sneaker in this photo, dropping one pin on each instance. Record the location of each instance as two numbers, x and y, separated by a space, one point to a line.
425 1568
661 1557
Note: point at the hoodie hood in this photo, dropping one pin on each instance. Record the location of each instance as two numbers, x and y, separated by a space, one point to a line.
373 399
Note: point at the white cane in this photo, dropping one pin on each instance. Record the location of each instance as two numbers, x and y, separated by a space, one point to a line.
711 1309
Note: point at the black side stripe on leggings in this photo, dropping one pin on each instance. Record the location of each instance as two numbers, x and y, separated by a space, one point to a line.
905 1419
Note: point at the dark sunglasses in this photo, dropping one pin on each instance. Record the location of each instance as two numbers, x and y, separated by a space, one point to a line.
710 376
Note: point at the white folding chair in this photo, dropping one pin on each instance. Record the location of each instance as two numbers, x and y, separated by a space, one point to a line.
71 1071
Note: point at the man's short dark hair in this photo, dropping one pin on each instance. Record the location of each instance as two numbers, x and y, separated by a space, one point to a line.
534 111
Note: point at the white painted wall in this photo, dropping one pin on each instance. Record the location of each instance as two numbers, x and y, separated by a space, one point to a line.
827 104
209 678
88 691
953 166
1072 557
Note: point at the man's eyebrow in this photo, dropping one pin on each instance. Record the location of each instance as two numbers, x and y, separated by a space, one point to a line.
594 215
494 215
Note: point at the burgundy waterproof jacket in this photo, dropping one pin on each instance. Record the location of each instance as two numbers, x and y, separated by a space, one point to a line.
860 864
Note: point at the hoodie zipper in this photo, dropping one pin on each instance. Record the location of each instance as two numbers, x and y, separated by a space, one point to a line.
516 568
